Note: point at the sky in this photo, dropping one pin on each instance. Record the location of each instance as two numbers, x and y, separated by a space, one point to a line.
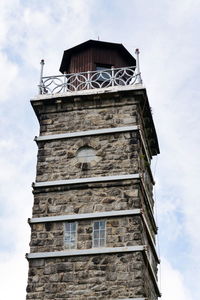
166 32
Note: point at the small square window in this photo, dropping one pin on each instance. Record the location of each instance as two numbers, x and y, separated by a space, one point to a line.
70 235
99 234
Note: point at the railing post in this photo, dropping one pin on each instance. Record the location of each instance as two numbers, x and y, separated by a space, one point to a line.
64 82
88 80
112 76
41 75
138 74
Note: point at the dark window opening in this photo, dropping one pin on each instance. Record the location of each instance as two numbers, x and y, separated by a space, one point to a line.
103 76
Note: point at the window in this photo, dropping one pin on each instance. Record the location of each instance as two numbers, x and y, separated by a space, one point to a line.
86 154
70 235
99 234
103 75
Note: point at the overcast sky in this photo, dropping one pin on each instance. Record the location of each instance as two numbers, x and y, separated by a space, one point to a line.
167 33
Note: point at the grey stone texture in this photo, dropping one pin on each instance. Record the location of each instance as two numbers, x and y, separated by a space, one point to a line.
105 276
117 154
113 276
91 198
123 231
79 114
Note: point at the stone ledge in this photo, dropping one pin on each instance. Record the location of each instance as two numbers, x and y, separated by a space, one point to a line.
86 216
86 133
84 252
86 180
98 91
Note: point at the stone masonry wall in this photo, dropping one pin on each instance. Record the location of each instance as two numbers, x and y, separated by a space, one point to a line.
120 232
102 198
91 198
147 214
101 277
106 276
149 287
150 253
87 198
115 154
75 115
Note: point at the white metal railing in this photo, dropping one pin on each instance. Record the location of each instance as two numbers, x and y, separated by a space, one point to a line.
90 80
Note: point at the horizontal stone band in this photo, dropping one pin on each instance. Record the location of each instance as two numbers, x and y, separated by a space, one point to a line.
91 251
86 133
113 213
86 180
92 92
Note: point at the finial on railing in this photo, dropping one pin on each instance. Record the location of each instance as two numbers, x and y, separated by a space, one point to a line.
138 74
41 75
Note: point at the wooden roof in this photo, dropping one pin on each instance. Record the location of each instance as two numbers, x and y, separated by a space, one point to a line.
119 48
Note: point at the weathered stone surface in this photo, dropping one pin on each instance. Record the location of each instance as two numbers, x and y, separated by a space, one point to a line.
120 232
112 276
113 157
88 115
83 199
97 277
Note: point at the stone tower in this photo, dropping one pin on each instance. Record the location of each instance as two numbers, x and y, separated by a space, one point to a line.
93 228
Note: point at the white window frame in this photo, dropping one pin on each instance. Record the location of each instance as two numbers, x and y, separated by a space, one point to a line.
98 245
68 246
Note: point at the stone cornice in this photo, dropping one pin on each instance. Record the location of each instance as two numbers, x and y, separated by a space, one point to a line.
86 133
85 180
113 213
92 92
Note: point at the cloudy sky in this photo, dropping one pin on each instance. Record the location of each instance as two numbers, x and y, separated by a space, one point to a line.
167 33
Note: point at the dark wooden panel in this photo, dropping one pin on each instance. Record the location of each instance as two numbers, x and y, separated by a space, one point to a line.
87 59
81 62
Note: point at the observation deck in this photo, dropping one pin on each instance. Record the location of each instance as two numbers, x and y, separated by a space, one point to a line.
83 81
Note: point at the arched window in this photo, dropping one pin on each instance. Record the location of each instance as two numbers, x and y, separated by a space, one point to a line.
86 154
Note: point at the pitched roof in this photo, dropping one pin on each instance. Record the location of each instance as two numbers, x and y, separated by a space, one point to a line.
93 43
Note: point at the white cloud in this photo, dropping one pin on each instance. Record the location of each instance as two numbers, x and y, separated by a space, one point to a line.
173 286
166 34
13 276
8 76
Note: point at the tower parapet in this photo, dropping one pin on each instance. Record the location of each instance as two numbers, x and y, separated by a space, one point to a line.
92 65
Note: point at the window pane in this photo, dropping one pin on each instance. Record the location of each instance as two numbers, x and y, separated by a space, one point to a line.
96 243
73 226
67 237
102 234
67 226
99 233
96 225
102 243
70 235
96 234
102 224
